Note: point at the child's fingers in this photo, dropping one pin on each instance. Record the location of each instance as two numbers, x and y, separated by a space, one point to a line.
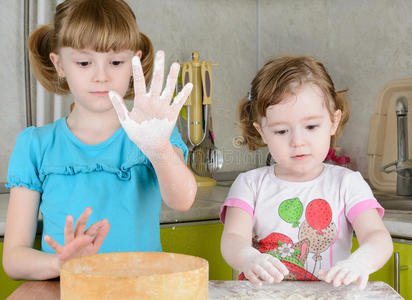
279 266
337 281
322 274
91 231
362 282
331 274
252 277
52 243
274 272
139 83
262 272
75 248
170 82
119 106
350 277
180 99
101 235
68 230
158 73
81 222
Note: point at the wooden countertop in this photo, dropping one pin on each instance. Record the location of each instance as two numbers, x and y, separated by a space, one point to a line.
50 290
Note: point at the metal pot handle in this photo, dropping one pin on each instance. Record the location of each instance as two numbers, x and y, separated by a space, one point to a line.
386 168
398 268
396 273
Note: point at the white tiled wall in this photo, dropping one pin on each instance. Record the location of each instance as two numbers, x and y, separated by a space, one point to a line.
363 45
12 105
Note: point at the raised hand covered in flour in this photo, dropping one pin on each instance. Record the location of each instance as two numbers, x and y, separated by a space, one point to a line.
150 123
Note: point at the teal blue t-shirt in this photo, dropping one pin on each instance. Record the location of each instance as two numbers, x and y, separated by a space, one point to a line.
114 178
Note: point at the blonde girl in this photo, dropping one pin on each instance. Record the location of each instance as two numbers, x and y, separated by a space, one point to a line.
105 167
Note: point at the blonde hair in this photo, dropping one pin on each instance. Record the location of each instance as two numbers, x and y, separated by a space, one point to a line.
278 78
101 25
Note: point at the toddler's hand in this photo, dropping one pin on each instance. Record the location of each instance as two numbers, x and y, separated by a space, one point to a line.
346 272
153 117
264 267
80 242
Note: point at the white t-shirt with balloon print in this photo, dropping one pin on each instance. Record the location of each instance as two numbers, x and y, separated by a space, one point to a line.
307 225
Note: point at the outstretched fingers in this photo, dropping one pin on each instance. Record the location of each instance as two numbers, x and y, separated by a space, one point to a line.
180 99
170 82
81 222
68 230
119 106
52 243
158 73
139 83
101 234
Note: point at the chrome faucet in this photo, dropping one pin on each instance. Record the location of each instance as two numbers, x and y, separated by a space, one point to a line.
403 166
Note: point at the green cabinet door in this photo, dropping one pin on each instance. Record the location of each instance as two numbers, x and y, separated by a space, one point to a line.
202 240
387 272
7 285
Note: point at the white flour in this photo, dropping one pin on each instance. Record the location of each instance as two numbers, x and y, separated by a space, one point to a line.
148 132
295 290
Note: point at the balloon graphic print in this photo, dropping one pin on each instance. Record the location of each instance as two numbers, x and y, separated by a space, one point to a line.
291 210
318 214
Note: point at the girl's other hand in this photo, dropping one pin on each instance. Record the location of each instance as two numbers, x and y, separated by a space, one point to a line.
264 267
346 272
80 242
150 123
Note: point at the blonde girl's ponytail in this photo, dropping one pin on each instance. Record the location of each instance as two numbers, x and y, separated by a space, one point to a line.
40 44
147 56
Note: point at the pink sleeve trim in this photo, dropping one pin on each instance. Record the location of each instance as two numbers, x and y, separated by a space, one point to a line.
235 203
362 206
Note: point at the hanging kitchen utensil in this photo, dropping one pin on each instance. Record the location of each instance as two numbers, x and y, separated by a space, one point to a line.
205 159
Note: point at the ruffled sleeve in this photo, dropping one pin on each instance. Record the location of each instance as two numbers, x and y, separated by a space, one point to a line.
24 162
176 140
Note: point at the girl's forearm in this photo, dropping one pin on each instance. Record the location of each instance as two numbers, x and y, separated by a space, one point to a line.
235 250
367 254
30 264
177 183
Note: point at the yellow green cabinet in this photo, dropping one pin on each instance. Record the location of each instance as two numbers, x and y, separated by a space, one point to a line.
7 286
387 272
202 240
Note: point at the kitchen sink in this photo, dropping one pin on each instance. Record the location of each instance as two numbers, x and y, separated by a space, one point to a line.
405 205
391 201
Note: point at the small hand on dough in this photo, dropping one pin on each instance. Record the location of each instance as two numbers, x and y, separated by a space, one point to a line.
263 267
350 270
150 123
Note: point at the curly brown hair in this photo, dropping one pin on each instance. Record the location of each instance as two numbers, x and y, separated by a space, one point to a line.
101 25
279 78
